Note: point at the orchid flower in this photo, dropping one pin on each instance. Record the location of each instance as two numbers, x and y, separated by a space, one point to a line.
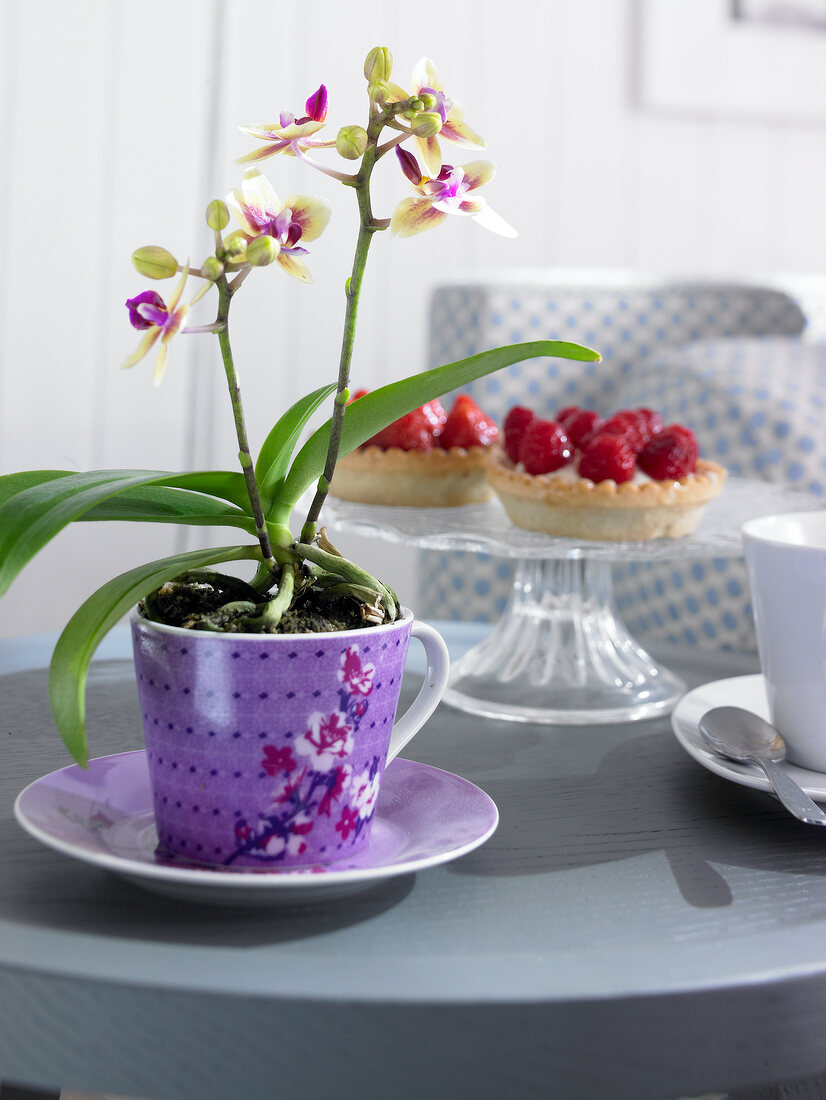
261 213
425 81
290 134
448 193
160 320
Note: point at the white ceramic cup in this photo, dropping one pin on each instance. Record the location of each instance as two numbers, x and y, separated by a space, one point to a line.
786 560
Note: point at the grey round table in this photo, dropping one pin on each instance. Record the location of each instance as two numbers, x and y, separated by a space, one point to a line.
636 927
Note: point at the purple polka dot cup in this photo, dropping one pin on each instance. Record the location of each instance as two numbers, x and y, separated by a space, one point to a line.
268 751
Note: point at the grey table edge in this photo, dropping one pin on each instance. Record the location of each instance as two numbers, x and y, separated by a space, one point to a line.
596 946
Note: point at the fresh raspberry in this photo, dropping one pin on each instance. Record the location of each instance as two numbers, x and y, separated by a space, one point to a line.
467 426
607 457
563 415
582 424
545 447
637 426
653 421
411 432
514 427
672 453
627 424
357 395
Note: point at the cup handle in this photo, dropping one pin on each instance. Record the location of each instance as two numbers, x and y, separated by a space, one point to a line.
431 691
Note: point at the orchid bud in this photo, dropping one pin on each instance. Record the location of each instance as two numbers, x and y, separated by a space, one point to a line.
351 141
415 105
426 124
379 92
428 100
212 268
154 262
409 165
217 215
316 105
378 64
262 251
235 247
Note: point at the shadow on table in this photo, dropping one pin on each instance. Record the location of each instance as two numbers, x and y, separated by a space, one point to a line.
54 892
643 796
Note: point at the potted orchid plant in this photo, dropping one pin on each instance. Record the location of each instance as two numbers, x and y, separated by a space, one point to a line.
185 606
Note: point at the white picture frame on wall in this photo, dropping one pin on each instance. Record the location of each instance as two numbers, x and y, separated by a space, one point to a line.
729 58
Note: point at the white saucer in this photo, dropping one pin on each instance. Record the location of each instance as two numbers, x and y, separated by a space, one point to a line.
103 816
748 692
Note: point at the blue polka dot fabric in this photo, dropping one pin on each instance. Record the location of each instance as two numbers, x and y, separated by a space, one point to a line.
628 324
634 323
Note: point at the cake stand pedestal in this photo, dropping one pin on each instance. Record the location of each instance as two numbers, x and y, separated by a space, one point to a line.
560 653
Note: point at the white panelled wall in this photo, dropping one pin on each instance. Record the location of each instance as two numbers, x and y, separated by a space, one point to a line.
118 122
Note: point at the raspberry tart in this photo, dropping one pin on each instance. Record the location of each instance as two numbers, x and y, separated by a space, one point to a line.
428 458
626 478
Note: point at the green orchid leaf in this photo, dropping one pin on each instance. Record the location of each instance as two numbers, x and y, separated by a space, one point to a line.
160 504
274 459
12 484
31 518
367 416
95 618
224 484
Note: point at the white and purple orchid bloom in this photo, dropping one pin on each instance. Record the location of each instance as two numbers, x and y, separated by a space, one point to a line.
160 320
425 81
447 193
261 213
290 135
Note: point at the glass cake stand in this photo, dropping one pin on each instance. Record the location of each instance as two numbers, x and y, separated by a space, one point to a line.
560 653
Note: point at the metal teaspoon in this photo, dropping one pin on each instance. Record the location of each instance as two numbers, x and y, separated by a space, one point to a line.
743 736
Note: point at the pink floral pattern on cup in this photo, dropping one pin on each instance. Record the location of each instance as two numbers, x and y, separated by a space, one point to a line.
357 677
316 779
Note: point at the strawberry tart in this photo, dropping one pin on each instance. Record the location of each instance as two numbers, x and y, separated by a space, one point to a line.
626 478
427 458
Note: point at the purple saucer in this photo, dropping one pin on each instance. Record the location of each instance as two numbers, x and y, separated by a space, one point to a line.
425 816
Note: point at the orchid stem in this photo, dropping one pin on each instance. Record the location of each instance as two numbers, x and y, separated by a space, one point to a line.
239 278
216 326
392 143
244 456
342 177
367 228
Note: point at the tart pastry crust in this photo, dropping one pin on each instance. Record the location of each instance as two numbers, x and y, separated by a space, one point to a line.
604 510
424 479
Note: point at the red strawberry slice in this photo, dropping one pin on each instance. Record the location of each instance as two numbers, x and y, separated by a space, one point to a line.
415 431
607 458
436 415
515 424
411 432
672 453
545 447
467 426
